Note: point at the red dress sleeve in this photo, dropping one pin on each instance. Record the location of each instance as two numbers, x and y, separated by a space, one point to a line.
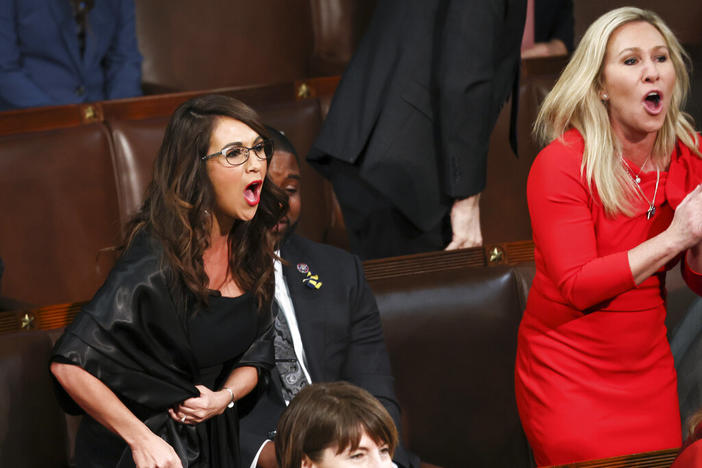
560 206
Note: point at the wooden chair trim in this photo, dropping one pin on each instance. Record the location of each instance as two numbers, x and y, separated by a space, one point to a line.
42 318
506 253
60 315
655 459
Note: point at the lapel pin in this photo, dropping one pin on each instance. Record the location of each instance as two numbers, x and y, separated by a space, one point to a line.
312 281
303 268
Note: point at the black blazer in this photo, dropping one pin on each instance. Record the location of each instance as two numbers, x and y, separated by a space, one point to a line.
553 19
415 108
341 334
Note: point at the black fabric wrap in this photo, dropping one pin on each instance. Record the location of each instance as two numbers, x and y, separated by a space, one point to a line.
132 336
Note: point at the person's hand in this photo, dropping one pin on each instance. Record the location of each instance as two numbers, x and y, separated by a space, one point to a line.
465 223
687 221
197 409
554 47
266 459
154 452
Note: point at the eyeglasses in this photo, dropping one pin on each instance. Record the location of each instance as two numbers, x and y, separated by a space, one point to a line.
236 155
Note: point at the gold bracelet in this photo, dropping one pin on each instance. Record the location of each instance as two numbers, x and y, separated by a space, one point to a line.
231 394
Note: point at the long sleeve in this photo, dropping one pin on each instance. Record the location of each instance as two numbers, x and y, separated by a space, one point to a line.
554 20
367 363
123 60
476 62
560 207
130 337
17 89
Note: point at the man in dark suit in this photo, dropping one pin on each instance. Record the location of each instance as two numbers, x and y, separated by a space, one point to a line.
55 52
334 320
406 138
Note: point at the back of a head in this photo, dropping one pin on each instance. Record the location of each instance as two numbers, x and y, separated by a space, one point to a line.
331 415
281 142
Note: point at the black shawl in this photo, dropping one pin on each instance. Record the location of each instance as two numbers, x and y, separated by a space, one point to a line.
133 337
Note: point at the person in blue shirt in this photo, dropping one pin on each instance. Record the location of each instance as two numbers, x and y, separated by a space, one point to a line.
55 52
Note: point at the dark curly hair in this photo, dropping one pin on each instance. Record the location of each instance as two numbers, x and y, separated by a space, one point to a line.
180 193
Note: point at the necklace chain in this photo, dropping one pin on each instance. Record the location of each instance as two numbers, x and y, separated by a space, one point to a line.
637 180
637 177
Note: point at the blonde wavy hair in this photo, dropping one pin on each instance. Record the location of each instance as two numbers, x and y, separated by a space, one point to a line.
574 102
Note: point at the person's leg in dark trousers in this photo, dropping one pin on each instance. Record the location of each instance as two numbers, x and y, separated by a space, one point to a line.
376 229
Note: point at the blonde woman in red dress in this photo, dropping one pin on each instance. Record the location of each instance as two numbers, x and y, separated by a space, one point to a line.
615 202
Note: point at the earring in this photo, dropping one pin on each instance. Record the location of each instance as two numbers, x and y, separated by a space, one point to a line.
605 96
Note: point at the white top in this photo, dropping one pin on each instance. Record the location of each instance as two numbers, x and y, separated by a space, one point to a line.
282 297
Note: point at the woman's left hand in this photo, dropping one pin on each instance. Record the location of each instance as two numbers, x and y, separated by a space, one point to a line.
198 409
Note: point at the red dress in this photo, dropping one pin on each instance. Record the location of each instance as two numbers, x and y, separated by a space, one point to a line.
594 372
690 455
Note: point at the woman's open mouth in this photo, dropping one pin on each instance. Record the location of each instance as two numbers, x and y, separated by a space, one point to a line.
252 192
653 102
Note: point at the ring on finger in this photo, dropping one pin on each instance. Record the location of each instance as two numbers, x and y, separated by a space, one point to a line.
182 419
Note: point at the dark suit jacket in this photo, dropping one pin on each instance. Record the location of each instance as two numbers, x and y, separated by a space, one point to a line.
40 61
553 19
341 334
415 108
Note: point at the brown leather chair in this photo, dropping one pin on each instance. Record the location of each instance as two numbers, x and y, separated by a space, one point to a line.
190 45
338 26
59 208
504 215
452 336
32 426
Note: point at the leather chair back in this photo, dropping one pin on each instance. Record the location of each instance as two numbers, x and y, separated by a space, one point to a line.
32 426
189 45
451 336
60 206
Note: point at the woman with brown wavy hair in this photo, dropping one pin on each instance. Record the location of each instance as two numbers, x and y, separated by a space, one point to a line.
181 328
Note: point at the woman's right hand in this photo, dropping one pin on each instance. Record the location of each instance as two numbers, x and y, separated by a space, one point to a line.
152 451
687 222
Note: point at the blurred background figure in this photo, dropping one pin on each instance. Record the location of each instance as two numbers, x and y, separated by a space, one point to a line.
56 52
406 138
548 30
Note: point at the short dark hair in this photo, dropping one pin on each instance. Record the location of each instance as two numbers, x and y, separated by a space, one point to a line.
281 142
327 415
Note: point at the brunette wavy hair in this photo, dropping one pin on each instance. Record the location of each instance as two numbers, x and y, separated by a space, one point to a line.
175 209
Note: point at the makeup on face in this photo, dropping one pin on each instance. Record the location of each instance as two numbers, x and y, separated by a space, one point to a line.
237 188
638 80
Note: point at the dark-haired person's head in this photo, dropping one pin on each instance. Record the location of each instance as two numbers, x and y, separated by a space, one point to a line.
210 174
284 171
335 425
